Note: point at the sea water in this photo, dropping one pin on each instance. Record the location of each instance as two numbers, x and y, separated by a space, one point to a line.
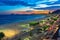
5 19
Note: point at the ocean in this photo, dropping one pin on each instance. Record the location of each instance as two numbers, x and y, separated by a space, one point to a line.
5 19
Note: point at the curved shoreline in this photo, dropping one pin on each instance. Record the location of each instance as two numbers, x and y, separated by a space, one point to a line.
18 20
24 22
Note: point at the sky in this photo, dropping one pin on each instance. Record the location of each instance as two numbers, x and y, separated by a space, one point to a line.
24 5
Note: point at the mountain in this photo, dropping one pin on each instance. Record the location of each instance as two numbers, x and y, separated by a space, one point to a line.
56 12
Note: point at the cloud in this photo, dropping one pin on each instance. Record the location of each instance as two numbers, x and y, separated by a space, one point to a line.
46 1
15 8
16 2
53 0
41 6
23 9
26 2
45 5
1 4
55 5
48 8
7 8
23 5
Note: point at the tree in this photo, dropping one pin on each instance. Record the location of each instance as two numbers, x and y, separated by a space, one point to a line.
51 22
19 39
39 31
55 18
31 34
45 27
1 35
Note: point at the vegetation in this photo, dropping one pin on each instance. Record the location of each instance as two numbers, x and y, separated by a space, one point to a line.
26 39
39 30
51 22
1 35
47 19
45 27
31 34
42 21
19 39
55 18
25 26
33 23
42 29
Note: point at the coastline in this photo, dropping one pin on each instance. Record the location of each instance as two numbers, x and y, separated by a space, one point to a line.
23 22
8 19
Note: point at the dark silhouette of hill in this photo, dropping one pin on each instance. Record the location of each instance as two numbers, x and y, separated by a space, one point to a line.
56 12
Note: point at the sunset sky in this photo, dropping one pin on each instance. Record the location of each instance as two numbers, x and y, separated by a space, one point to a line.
24 5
